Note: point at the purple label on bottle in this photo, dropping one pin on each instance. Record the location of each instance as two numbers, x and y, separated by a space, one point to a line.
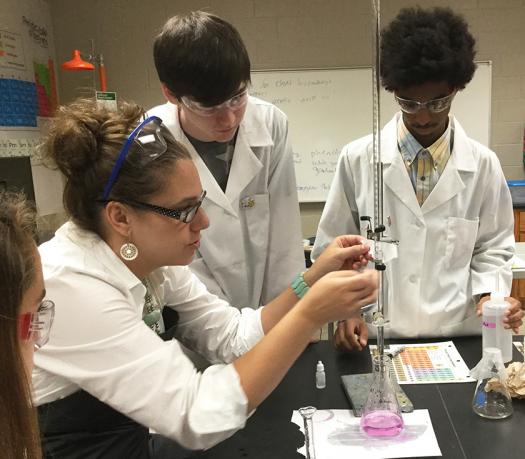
489 324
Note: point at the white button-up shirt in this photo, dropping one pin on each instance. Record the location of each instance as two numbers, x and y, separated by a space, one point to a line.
99 343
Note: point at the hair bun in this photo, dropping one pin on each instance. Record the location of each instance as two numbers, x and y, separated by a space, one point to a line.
72 143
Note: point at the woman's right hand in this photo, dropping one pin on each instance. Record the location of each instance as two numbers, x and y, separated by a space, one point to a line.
339 295
344 252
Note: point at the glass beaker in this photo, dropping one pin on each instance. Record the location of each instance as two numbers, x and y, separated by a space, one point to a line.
491 399
381 414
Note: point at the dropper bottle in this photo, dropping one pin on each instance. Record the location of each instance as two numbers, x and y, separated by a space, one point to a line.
320 376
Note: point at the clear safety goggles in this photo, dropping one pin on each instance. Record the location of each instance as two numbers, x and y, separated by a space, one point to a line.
234 103
148 137
36 326
433 106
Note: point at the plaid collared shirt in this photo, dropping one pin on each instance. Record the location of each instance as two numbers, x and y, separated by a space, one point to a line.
424 165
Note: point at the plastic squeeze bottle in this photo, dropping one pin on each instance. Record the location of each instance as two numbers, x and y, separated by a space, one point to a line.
493 332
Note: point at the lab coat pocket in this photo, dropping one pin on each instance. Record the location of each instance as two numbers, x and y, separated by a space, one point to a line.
461 237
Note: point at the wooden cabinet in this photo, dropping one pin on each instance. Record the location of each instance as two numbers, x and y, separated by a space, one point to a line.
518 286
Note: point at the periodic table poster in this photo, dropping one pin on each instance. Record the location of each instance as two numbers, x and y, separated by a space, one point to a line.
28 94
27 69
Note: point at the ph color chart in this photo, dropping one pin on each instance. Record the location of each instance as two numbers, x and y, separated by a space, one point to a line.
428 363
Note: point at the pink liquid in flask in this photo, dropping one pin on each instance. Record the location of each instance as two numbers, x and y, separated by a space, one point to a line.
382 423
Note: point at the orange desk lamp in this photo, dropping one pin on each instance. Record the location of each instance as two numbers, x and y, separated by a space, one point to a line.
78 63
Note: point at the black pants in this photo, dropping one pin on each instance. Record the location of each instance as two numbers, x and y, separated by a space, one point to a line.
82 427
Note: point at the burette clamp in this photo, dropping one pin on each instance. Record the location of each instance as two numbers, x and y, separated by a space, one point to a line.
369 232
376 236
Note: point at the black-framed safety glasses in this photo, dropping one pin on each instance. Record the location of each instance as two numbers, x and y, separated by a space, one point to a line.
185 215
148 137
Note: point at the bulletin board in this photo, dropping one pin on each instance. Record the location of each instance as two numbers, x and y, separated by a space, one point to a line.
327 108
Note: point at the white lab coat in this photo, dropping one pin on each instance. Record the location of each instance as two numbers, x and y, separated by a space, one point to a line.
449 249
253 247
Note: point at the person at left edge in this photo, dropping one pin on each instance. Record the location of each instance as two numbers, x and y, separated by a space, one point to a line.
25 320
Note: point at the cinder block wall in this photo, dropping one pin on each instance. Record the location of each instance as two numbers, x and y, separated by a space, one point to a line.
293 34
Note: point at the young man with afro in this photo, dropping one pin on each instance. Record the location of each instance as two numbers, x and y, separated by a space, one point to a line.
445 197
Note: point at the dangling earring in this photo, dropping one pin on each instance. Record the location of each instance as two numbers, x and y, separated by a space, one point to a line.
129 251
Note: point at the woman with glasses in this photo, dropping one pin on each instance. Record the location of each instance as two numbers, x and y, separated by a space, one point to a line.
445 195
134 199
25 319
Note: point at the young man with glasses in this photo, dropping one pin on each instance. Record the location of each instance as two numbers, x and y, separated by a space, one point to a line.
445 196
240 147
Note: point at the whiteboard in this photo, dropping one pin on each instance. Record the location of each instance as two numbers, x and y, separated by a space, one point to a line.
329 108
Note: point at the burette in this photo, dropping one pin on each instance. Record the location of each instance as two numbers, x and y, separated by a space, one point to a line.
376 226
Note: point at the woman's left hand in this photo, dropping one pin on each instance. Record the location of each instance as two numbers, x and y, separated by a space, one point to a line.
344 252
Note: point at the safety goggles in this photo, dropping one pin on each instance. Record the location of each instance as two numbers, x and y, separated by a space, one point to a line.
35 326
235 103
184 215
148 137
434 106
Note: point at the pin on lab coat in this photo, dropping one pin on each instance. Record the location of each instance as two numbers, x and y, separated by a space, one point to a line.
253 247
450 248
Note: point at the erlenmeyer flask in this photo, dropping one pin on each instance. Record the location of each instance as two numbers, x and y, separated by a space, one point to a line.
381 414
491 398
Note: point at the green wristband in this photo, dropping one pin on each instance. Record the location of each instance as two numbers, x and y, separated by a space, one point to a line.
299 285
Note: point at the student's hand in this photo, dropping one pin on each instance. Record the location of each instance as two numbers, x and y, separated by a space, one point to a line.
513 318
513 315
351 334
339 295
344 252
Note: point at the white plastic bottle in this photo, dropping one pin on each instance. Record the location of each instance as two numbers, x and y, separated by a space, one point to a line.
320 376
493 332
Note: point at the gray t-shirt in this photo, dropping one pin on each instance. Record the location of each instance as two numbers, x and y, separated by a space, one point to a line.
217 156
